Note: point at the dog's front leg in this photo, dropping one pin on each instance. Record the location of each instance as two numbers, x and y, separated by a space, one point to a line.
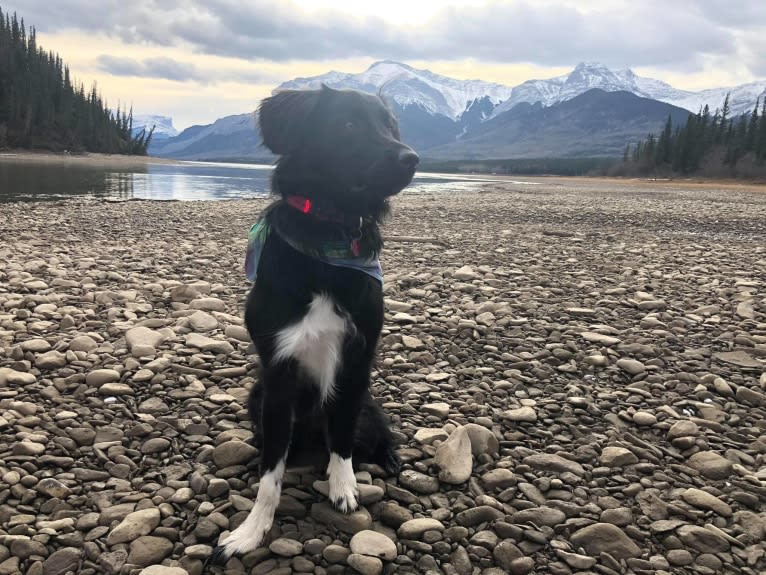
342 417
277 423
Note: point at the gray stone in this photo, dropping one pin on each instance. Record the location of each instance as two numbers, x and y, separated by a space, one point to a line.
208 304
143 336
439 409
505 553
702 539
286 547
233 452
83 343
499 478
710 464
414 528
605 537
50 360
347 523
62 561
99 377
134 525
614 456
554 463
482 440
202 321
148 550
365 565
520 414
705 500
51 487
454 458
631 366
208 343
373 544
418 482
540 516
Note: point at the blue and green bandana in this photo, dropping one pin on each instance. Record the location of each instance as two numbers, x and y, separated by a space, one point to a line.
339 254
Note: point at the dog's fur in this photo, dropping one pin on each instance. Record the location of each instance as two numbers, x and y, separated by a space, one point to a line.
315 326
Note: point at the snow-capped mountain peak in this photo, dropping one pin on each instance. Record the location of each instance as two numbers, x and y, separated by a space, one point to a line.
163 125
407 86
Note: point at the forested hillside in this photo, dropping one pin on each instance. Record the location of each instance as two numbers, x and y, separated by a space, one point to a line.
708 145
41 106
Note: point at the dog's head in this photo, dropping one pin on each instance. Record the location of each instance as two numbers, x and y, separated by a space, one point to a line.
344 142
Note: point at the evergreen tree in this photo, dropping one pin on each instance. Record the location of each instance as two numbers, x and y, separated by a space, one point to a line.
41 107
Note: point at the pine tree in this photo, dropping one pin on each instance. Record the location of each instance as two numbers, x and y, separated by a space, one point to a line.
41 107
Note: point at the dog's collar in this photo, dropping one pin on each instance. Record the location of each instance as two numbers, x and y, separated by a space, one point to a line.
308 206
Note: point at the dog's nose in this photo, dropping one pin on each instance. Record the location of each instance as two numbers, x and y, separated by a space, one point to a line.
408 158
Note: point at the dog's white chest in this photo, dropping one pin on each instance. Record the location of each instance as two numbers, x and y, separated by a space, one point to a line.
316 343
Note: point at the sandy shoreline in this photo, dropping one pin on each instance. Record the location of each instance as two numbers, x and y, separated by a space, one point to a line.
602 346
85 159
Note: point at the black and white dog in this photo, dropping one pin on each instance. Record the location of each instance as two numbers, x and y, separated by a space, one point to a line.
316 310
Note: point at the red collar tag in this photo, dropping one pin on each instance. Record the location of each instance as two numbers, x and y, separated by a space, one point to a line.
300 203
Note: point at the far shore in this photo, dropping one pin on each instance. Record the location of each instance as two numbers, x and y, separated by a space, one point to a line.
85 159
125 161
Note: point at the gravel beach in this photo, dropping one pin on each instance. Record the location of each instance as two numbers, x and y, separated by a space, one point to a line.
578 380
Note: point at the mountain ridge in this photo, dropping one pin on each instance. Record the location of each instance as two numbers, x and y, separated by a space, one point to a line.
439 114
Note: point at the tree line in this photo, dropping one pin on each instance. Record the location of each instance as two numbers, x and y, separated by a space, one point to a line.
41 107
707 144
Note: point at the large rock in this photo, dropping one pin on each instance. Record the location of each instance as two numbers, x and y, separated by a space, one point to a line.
702 540
62 561
705 500
482 439
233 452
148 550
202 321
99 377
8 375
454 458
143 336
208 343
614 456
414 528
50 360
83 343
134 526
601 537
354 522
373 544
710 464
553 463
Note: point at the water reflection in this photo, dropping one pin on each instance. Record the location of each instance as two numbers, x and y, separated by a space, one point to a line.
23 181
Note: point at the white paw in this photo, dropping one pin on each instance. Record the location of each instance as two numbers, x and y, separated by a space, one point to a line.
246 537
251 533
343 488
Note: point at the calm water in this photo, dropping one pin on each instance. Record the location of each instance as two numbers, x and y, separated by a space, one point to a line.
25 181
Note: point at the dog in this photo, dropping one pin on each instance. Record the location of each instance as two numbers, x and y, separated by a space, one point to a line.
315 311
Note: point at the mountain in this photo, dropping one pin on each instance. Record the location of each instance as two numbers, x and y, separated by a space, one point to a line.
406 86
163 126
441 115
229 138
595 123
589 75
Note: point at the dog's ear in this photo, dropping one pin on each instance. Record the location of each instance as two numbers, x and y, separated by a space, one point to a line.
283 117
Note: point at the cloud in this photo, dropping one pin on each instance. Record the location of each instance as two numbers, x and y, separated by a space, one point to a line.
678 36
160 67
170 69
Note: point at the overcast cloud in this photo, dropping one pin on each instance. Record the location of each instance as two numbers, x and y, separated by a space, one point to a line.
676 35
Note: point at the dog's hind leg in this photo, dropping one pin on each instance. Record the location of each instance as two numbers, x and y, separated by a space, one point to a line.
276 427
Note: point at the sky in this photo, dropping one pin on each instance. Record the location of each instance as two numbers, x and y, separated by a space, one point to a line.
199 60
